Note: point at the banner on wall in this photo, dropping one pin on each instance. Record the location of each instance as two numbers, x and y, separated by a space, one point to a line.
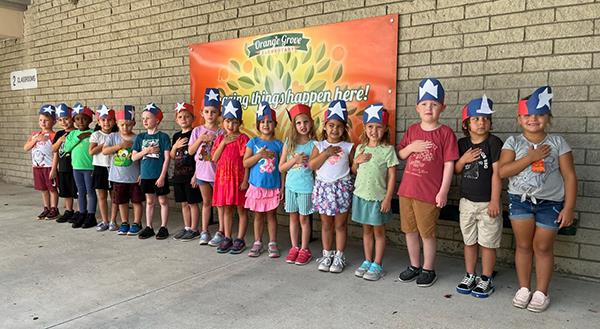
355 61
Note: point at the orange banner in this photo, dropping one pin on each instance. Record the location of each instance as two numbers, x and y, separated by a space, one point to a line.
355 61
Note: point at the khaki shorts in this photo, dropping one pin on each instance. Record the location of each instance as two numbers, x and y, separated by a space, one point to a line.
477 226
418 216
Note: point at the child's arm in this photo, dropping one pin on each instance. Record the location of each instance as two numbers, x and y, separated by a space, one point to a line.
470 155
54 165
135 156
165 170
414 147
227 139
112 149
567 170
318 158
58 143
442 197
181 142
193 148
494 205
351 156
95 148
509 167
251 159
386 204
244 185
33 139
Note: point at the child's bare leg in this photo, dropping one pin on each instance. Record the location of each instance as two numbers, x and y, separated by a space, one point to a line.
206 191
294 228
471 258
185 213
488 261
53 199
103 204
69 204
327 231
124 211
272 225
259 225
150 201
164 210
429 251
305 224
341 231
243 223
379 243
413 244
220 216
137 213
114 210
524 231
227 220
194 212
368 242
46 198
543 251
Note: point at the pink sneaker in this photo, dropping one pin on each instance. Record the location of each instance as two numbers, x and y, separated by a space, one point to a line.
522 298
292 255
304 257
539 302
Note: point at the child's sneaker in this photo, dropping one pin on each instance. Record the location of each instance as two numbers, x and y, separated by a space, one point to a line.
238 246
102 226
79 220
273 250
204 238
325 261
162 234
90 221
217 239
43 214
66 216
362 269
409 274
256 249
123 229
292 255
304 257
374 273
134 229
53 213
339 262
112 226
467 284
484 288
521 298
539 302
190 235
146 233
76 217
427 278
225 246
179 234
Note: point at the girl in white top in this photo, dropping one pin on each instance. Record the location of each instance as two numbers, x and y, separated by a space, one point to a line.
332 194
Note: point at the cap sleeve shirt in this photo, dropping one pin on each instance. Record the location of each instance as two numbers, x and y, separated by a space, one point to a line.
299 178
100 159
336 166
205 167
41 153
151 164
476 177
371 178
547 185
423 172
123 169
265 173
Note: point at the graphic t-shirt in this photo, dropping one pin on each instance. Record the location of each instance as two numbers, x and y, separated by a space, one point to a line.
476 177
64 158
300 178
265 173
122 168
151 164
336 166
41 153
205 167
184 165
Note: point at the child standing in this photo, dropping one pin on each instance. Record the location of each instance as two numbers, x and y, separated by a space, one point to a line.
152 148
231 178
200 144
101 162
542 190
480 220
183 173
78 143
263 195
430 150
61 166
40 144
299 181
124 173
331 159
375 167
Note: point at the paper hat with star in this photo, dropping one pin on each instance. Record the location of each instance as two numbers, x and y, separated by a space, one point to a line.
183 106
264 110
48 110
152 108
78 108
478 107
375 113
430 89
232 109
63 111
538 103
337 110
298 109
127 113
103 112
212 97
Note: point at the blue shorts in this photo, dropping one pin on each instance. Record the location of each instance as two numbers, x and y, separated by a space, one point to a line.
545 212
201 182
298 202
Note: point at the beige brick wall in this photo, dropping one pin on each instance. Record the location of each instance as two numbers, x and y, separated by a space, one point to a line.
135 51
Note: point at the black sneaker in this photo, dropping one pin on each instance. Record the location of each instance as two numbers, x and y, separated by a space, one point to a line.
162 234
427 278
484 288
190 235
75 217
90 221
66 216
146 233
179 234
469 281
79 220
409 274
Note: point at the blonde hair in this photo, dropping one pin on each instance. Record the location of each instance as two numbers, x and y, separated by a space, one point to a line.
293 136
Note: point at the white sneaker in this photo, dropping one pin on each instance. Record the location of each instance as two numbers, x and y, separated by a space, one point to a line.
113 226
339 262
539 302
325 261
216 240
522 298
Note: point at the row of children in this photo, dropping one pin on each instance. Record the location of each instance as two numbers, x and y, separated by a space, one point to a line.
233 172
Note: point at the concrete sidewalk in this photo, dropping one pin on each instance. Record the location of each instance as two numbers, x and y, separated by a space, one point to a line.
52 276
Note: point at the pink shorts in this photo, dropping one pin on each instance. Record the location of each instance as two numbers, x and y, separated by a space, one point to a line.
260 199
41 179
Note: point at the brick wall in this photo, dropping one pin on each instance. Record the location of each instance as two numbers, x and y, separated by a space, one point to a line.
135 51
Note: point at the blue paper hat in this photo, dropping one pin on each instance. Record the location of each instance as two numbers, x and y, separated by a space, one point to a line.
152 108
375 113
104 112
212 97
264 110
79 108
337 110
430 89
127 113
478 107
538 103
232 109
63 111
48 110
